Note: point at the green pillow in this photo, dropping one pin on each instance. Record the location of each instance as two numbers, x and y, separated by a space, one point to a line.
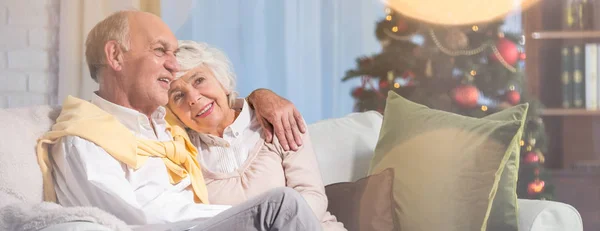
447 166
504 215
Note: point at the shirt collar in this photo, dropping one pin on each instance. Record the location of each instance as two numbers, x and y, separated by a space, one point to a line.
244 118
132 119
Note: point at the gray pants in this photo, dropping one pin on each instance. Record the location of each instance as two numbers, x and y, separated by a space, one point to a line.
278 209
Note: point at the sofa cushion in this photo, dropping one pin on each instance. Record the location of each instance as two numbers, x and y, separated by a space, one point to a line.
344 146
19 170
447 166
366 204
504 213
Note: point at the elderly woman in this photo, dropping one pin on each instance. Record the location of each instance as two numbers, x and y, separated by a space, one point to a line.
236 161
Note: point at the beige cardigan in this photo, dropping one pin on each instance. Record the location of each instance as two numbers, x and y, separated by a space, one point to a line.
269 166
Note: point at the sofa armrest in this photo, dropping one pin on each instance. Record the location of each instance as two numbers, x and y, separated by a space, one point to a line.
536 215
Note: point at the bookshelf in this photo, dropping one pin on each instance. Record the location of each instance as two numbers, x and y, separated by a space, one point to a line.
565 34
569 112
572 132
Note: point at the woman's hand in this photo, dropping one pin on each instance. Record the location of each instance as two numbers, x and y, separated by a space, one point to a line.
278 115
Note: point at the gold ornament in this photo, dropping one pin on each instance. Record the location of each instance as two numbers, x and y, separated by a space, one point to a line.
428 69
390 76
456 40
541 157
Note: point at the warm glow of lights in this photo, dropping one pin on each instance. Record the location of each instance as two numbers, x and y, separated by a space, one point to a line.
484 108
458 12
475 28
395 29
396 85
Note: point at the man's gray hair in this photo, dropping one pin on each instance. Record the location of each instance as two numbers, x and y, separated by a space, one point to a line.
114 27
194 54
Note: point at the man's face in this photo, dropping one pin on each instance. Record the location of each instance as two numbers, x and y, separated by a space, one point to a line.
150 64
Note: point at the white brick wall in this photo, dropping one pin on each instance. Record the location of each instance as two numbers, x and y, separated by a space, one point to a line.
28 52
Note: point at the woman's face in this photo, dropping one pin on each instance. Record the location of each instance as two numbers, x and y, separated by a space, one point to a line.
200 101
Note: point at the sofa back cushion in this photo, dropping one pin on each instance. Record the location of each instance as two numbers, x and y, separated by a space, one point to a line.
19 170
344 146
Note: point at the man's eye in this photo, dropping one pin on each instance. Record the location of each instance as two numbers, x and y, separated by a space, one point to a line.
159 51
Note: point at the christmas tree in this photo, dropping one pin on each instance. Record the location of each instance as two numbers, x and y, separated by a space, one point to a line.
473 70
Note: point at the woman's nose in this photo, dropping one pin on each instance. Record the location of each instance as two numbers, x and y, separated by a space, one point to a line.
193 99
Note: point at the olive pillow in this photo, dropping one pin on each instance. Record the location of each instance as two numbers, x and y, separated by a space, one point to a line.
447 167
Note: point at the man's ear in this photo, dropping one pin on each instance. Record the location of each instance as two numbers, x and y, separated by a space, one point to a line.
114 55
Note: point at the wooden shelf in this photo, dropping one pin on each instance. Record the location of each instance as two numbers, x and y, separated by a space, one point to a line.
565 34
569 112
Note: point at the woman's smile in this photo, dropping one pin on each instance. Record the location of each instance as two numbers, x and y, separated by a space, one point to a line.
206 110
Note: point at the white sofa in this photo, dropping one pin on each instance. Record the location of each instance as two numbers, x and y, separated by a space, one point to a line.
344 148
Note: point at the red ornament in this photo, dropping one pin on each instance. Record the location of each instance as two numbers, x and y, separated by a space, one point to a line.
522 56
466 96
531 158
535 187
384 84
508 50
513 97
357 92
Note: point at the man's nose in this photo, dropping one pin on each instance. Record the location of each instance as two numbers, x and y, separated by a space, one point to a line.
171 64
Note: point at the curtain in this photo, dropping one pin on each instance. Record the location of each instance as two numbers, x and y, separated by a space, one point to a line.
76 19
300 49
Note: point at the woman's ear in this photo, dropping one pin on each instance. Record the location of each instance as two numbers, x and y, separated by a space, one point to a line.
114 55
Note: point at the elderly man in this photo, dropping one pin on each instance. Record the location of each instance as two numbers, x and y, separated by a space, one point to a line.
118 153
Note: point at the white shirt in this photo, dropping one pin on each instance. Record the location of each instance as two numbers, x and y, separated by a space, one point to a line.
227 154
86 175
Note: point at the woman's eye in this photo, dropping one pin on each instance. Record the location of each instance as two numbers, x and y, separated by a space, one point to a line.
177 96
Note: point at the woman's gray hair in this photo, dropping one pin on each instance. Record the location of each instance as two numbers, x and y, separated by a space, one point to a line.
194 54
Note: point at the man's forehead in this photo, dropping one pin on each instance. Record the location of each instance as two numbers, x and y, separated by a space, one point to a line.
151 29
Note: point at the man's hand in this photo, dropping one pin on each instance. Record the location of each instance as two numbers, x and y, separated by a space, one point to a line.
279 115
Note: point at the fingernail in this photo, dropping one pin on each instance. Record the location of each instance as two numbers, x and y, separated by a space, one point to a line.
286 147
